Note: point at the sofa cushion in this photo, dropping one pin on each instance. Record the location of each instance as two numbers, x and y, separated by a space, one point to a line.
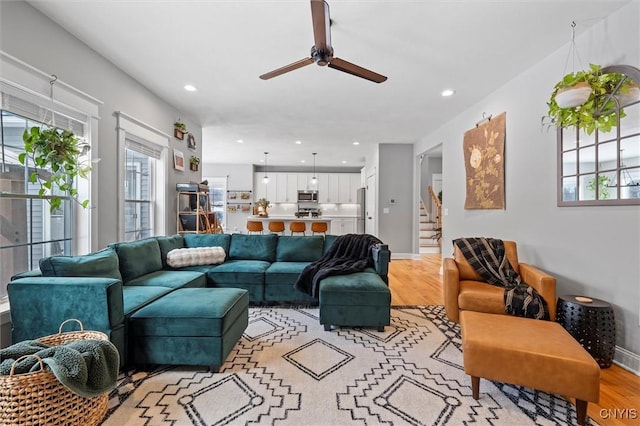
135 297
138 258
167 244
193 256
208 240
280 273
253 247
328 242
171 279
299 249
103 264
242 272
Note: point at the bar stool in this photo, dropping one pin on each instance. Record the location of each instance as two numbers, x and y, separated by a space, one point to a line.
319 227
297 227
276 227
254 226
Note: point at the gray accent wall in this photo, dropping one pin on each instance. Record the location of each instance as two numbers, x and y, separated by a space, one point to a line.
395 174
592 251
53 50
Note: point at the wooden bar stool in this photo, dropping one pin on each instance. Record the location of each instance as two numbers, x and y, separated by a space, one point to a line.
319 227
254 226
276 227
297 227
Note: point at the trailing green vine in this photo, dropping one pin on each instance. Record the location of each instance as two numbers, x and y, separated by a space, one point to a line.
55 153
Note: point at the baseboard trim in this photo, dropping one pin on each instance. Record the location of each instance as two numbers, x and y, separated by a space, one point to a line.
628 360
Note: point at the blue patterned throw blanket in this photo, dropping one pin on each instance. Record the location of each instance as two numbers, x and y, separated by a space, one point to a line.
487 257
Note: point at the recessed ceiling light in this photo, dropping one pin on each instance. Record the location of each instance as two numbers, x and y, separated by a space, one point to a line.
356 143
344 161
298 142
240 141
190 88
302 161
447 92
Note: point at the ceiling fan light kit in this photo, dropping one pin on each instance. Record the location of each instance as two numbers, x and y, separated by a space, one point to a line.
322 50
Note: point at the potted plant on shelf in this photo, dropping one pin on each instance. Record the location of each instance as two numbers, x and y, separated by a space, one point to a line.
180 129
263 206
193 163
55 160
585 99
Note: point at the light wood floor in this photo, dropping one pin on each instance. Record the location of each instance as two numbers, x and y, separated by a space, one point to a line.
418 282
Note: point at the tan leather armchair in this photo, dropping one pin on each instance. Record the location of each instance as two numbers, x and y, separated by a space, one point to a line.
464 289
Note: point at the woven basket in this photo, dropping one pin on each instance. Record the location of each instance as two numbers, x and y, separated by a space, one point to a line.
38 398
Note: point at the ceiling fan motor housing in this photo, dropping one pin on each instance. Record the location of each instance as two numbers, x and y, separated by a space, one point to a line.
322 57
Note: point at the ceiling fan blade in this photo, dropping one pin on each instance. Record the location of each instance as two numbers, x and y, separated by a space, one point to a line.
321 24
358 71
294 66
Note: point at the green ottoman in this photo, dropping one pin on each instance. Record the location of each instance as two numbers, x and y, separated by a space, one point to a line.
189 326
361 300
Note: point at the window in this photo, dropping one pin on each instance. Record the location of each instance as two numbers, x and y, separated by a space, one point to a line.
218 198
141 179
139 196
29 231
602 168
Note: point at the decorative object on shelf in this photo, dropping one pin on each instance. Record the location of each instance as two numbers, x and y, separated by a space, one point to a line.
265 179
263 207
179 129
191 141
55 156
193 163
178 160
314 179
483 147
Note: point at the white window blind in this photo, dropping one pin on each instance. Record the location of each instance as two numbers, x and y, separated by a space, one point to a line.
142 146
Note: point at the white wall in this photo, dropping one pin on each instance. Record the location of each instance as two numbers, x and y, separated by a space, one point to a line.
55 51
592 251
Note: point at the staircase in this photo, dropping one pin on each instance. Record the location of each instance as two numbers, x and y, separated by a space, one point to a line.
429 233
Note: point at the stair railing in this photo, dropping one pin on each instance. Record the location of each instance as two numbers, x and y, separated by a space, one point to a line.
438 204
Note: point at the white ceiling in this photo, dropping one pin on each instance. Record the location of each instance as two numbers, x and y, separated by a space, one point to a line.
221 47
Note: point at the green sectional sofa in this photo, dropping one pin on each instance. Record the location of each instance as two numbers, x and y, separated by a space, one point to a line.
108 289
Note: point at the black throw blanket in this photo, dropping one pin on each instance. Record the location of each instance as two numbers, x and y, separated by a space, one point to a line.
487 257
349 253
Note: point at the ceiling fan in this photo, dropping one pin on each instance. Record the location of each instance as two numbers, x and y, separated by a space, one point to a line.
322 51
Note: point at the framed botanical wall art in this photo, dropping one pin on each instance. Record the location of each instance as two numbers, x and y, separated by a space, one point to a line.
484 164
178 160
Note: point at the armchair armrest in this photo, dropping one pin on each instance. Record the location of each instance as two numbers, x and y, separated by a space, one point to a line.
451 289
544 284
40 304
381 258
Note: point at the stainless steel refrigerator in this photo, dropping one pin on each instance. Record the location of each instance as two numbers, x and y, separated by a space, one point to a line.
361 215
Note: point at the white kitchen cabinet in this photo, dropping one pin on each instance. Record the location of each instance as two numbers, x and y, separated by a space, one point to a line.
333 190
355 181
292 188
343 226
344 183
323 187
303 181
262 190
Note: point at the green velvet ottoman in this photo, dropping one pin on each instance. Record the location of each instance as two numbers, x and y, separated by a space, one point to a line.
357 300
189 326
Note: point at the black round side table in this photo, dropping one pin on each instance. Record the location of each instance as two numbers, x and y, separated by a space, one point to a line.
592 324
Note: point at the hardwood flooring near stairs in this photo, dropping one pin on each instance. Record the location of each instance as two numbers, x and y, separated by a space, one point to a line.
418 282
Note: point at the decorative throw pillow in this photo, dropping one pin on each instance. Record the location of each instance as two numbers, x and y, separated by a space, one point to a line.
178 258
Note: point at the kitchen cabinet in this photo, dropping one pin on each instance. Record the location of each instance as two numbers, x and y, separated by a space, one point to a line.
343 226
264 190
323 187
292 188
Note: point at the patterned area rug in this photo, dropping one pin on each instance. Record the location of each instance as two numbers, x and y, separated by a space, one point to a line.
287 370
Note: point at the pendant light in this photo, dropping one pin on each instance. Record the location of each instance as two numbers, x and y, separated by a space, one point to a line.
265 179
314 180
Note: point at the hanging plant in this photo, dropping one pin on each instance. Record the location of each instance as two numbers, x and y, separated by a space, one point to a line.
55 153
193 163
566 110
179 129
